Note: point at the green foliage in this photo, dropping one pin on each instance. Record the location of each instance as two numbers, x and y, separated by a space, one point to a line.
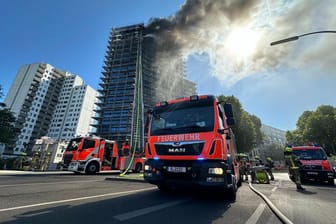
257 124
7 121
316 127
273 150
247 128
7 130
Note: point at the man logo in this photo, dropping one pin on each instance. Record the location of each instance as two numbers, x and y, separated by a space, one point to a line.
178 150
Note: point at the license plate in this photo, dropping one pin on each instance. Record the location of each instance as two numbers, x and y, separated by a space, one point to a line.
176 169
312 173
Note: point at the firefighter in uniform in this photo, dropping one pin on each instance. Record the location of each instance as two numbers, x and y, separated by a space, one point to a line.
269 166
293 166
125 158
243 166
259 162
125 149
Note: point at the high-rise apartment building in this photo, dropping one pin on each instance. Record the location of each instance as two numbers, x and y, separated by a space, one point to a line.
32 98
41 98
74 112
130 85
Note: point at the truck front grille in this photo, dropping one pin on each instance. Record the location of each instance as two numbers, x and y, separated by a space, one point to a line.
179 148
312 167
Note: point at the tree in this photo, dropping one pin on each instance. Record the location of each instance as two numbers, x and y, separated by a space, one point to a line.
273 150
247 128
316 127
294 137
7 121
257 124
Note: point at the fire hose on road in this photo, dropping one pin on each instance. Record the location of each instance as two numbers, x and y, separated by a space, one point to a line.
274 209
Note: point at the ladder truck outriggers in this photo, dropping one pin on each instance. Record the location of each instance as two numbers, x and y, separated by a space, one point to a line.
190 143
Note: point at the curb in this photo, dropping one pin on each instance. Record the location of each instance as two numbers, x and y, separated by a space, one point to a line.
127 178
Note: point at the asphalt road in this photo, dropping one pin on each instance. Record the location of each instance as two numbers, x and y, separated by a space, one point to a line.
67 198
317 204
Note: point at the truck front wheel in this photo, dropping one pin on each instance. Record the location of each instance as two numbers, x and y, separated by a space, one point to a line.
331 182
231 193
91 168
138 168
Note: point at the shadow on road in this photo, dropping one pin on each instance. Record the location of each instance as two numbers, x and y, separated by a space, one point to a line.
318 184
188 209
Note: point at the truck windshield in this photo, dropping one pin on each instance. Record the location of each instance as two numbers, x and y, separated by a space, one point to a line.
185 117
310 154
73 144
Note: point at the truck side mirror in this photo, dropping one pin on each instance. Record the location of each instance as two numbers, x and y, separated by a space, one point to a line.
228 110
230 121
149 114
229 114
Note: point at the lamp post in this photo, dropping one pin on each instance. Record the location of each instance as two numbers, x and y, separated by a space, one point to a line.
298 36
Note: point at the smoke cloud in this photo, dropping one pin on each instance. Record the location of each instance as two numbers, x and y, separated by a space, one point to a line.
208 26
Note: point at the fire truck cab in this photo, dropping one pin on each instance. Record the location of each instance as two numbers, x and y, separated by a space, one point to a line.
190 143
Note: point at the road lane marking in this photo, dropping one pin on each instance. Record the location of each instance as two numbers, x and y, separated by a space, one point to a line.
32 214
76 199
274 189
256 214
143 211
280 183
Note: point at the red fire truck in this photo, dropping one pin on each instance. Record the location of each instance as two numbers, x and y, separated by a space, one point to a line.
190 142
314 164
94 154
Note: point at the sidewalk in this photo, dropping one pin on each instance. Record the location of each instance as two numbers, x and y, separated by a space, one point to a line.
20 172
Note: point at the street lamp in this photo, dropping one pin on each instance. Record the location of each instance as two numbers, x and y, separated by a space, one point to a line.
297 37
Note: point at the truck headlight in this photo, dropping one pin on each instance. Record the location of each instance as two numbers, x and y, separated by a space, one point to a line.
147 167
216 170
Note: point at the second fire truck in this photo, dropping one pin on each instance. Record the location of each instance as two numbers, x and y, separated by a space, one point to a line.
94 154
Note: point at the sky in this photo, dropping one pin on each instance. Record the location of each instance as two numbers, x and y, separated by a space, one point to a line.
226 45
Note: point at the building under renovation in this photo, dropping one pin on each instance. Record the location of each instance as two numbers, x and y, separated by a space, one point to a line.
129 85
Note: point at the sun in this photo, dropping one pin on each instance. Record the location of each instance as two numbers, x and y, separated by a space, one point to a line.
241 43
